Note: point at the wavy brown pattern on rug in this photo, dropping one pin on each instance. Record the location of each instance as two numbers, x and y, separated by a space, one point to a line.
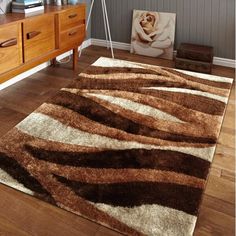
63 195
223 85
80 122
75 185
143 119
128 84
137 81
132 194
97 112
112 70
67 199
205 87
127 76
134 158
39 169
191 101
171 108
113 176
34 168
204 104
20 174
197 128
191 119
174 79
61 147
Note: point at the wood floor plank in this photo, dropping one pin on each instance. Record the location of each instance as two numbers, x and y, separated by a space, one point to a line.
107 232
224 158
229 175
221 188
39 218
9 118
29 216
216 171
9 229
210 222
218 205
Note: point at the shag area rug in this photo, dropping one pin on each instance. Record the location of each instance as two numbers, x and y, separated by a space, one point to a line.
126 145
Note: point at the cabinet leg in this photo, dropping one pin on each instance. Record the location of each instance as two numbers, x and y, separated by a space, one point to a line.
53 62
75 58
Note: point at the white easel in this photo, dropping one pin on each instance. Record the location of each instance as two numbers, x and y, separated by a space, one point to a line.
106 25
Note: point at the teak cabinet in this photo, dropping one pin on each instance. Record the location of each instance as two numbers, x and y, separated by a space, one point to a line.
39 36
10 47
26 42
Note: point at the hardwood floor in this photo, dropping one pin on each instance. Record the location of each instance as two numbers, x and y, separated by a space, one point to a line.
21 214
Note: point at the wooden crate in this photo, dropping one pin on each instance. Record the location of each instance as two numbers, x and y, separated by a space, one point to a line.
194 57
195 52
198 66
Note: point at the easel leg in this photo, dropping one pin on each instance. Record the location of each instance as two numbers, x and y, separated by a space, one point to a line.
105 23
87 24
108 28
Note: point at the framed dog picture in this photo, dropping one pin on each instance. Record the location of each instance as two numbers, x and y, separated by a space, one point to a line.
153 34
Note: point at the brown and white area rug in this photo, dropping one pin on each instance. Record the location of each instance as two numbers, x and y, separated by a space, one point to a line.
127 145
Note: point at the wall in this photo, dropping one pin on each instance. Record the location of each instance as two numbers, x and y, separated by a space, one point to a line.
88 2
208 22
4 6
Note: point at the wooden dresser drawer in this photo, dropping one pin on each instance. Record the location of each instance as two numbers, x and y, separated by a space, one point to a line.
71 18
10 47
39 36
26 42
72 37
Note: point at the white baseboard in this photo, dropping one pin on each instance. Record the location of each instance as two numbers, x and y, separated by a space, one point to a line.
126 46
87 43
117 45
224 62
98 42
24 75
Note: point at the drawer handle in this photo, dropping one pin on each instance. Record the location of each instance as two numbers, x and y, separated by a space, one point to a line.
72 15
32 34
8 43
72 33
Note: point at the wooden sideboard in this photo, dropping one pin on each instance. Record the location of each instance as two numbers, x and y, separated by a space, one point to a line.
26 42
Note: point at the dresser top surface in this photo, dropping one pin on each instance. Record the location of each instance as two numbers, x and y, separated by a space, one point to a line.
14 17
